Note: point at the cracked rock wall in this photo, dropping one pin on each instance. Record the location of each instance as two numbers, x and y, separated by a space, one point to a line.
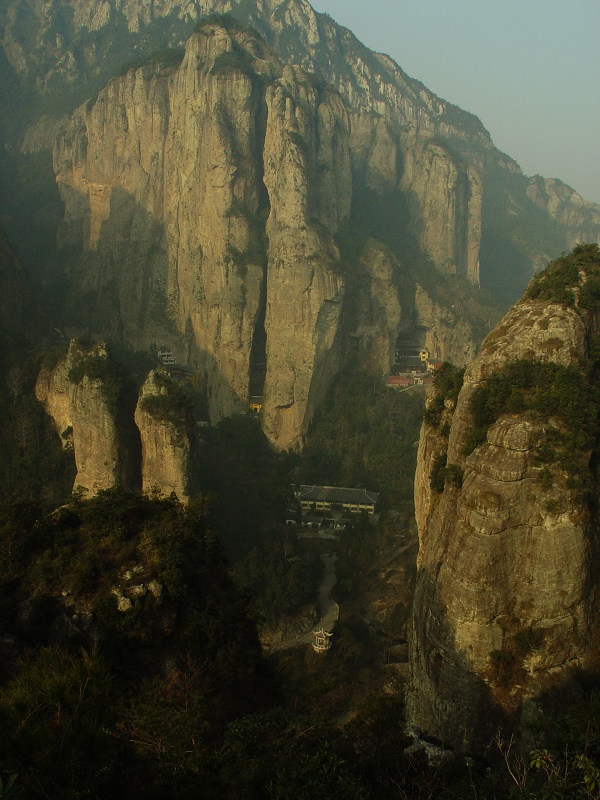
494 560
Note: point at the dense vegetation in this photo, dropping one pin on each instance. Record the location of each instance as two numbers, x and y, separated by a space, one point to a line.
170 698
567 398
277 576
234 60
226 21
130 661
169 58
569 279
448 381
250 483
551 392
174 402
90 362
97 693
167 697
364 435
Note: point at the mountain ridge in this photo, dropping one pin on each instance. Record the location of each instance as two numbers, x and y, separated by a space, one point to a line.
368 81
369 151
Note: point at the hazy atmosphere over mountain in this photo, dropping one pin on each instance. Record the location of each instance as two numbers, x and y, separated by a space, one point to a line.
262 390
527 70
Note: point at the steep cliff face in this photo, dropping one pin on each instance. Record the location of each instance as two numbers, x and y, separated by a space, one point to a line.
505 603
168 178
205 190
74 42
84 397
377 312
397 148
383 303
168 435
446 200
307 176
450 332
563 204
403 138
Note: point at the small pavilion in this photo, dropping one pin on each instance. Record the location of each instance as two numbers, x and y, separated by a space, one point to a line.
322 641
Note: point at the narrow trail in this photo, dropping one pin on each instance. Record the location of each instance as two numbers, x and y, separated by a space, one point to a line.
328 608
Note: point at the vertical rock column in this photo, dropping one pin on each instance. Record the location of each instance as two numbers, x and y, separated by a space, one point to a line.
307 174
213 170
445 197
169 442
104 439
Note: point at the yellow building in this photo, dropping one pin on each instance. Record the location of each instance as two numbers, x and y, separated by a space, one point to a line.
255 404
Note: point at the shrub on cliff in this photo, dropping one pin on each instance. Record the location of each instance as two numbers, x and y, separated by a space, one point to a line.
572 277
88 362
559 395
448 381
174 404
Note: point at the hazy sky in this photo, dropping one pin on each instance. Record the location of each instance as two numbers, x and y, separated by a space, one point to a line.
529 69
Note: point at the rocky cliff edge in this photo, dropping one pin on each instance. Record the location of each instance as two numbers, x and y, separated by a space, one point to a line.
87 398
505 605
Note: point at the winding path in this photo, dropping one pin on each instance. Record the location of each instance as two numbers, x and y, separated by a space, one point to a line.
328 608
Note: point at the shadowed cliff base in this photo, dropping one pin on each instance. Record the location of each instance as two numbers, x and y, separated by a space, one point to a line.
448 702
446 699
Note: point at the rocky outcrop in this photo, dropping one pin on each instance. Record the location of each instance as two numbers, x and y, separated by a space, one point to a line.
168 178
205 189
450 332
505 602
393 117
376 310
404 139
116 443
86 400
307 176
168 434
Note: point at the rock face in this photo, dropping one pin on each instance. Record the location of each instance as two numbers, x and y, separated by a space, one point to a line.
307 176
168 178
451 334
446 202
403 140
567 207
168 435
378 310
204 191
505 602
90 414
152 445
393 117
